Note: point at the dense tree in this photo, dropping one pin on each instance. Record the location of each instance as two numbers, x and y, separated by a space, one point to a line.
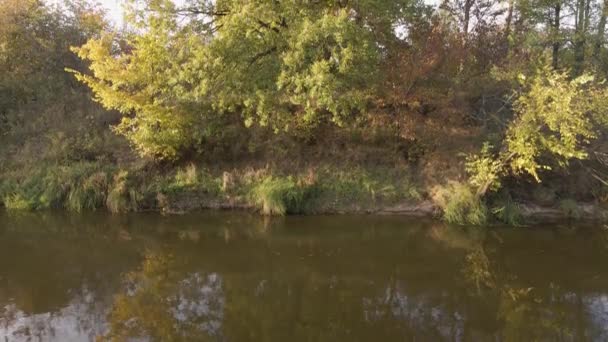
38 99
287 65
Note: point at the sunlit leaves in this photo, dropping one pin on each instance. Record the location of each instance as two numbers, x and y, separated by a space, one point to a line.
285 65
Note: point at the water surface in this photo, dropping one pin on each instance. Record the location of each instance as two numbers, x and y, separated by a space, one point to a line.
239 277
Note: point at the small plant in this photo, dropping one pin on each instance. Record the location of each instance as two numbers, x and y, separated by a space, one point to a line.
460 205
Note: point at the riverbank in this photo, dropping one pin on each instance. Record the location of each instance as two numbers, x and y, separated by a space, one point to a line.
320 189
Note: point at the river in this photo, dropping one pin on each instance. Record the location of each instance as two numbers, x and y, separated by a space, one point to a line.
223 276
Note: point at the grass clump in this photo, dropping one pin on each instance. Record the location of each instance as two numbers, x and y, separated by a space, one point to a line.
190 178
460 205
280 196
507 211
89 194
122 196
44 188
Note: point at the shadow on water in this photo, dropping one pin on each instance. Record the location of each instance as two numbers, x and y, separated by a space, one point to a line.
238 277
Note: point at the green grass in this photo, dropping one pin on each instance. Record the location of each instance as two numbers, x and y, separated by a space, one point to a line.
507 211
89 194
122 195
365 187
280 196
460 205
88 186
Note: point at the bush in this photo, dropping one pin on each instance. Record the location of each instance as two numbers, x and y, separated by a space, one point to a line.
460 205
280 196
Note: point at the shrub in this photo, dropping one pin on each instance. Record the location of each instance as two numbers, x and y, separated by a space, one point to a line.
460 205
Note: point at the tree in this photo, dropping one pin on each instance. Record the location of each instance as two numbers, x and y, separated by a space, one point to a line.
287 65
555 118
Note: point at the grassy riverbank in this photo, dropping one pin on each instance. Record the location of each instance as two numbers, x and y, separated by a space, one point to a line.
316 189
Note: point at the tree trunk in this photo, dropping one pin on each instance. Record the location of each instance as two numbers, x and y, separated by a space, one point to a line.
601 30
556 42
468 4
582 21
508 22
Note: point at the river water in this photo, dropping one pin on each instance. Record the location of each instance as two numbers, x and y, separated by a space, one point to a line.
224 276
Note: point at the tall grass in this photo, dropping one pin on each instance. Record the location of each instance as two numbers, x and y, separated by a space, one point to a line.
460 205
45 188
122 196
362 187
89 194
280 196
507 211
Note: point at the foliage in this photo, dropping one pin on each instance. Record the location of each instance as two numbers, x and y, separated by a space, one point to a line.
279 64
555 118
485 169
460 204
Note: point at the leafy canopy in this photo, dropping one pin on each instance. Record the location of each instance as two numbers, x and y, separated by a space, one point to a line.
283 64
555 119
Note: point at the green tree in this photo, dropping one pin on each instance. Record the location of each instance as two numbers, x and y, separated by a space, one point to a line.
555 119
287 65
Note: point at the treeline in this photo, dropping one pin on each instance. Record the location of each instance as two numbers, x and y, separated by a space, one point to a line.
516 86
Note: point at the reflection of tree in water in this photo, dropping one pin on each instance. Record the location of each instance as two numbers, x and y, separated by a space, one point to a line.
161 303
524 312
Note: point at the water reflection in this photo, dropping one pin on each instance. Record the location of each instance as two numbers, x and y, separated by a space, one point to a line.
235 277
